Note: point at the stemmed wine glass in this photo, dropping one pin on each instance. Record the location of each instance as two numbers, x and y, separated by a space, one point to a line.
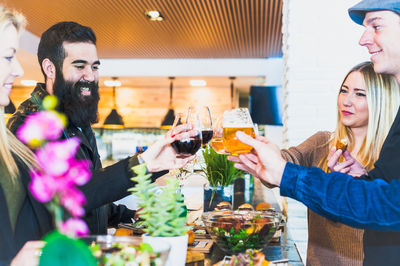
216 142
206 124
192 144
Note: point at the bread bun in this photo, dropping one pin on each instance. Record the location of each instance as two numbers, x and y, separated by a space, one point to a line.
263 206
245 207
342 145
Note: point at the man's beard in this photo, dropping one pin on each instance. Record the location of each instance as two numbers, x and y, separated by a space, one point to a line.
80 110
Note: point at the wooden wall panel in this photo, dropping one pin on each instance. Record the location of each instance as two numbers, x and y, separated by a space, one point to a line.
146 107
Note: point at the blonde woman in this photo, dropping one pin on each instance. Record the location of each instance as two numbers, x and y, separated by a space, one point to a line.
19 212
367 105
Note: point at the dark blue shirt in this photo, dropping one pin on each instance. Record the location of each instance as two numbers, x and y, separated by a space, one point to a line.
373 204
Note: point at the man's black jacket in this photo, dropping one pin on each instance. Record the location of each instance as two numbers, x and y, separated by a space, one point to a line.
102 216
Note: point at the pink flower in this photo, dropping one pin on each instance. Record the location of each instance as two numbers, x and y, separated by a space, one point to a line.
79 172
73 199
55 157
74 227
41 126
42 187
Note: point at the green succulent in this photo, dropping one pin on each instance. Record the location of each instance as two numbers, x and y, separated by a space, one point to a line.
219 171
163 214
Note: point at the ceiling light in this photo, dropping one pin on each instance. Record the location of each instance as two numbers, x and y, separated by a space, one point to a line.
198 83
154 15
112 83
28 82
168 120
114 119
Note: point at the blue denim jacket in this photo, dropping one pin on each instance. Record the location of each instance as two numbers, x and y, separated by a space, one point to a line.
373 204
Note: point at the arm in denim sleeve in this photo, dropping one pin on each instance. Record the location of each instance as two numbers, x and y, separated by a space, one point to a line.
358 203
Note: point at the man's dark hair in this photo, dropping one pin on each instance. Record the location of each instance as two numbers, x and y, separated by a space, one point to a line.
51 41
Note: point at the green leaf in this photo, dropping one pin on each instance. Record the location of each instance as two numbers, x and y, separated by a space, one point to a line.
61 250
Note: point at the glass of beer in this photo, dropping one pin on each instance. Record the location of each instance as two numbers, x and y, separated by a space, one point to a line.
237 120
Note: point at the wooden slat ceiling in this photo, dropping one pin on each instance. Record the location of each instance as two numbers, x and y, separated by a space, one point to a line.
191 28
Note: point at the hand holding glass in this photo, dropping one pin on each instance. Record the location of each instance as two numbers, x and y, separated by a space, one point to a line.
237 120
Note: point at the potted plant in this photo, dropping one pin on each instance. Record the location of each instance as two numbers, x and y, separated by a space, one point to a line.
220 174
163 214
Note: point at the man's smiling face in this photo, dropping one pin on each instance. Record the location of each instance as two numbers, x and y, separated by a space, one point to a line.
382 38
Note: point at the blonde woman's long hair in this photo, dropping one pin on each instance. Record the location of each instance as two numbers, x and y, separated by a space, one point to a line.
10 146
383 98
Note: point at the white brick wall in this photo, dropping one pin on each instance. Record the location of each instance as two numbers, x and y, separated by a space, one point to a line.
320 46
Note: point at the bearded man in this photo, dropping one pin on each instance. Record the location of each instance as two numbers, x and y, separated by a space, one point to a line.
68 59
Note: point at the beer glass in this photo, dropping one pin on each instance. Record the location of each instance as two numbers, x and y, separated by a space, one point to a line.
192 144
237 120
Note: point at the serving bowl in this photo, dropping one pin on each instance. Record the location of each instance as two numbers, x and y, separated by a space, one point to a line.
110 250
237 231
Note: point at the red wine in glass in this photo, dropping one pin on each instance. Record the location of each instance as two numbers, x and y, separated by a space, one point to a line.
187 146
207 135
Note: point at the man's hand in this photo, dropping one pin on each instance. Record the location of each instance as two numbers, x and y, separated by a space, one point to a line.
161 156
29 254
351 166
265 160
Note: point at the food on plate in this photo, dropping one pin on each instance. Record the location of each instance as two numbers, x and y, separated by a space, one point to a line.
190 237
250 257
245 207
223 205
125 254
263 206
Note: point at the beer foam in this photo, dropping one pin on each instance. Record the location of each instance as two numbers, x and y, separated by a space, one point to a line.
239 118
233 124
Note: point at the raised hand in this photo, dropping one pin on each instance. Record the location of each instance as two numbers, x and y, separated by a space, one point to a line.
161 156
350 166
265 160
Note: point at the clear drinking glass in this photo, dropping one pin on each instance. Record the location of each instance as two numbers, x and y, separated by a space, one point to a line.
192 144
206 124
238 119
216 142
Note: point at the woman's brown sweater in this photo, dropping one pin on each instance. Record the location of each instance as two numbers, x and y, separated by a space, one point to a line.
329 242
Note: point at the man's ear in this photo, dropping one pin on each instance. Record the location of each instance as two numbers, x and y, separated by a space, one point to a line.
49 68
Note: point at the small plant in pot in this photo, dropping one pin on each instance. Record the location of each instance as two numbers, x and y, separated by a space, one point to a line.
220 174
163 214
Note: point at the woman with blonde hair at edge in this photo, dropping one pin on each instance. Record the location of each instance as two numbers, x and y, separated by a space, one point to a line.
367 104
17 222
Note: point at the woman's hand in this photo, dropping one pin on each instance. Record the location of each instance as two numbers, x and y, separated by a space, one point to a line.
350 166
264 161
29 254
161 156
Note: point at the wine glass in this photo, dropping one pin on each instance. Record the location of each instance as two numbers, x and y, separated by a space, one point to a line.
237 119
206 124
216 142
190 145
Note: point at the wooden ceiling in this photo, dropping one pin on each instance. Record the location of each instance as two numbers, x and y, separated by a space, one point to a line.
191 28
